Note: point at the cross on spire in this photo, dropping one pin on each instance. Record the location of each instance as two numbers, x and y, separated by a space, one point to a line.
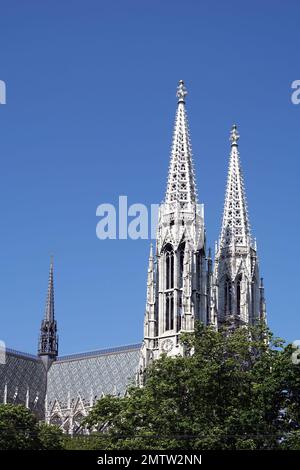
234 135
181 92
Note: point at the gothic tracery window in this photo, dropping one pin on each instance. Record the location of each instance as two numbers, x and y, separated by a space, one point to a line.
227 296
238 294
169 255
181 262
169 312
56 420
169 283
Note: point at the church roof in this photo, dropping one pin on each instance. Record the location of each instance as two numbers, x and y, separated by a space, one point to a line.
23 381
90 375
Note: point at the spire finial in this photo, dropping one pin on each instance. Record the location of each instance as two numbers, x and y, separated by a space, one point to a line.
234 135
181 92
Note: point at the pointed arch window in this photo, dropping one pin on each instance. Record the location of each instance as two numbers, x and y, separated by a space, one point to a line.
180 311
181 263
169 256
238 294
56 420
227 296
253 299
169 312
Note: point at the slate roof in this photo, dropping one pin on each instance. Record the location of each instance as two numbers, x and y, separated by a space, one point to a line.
92 374
23 373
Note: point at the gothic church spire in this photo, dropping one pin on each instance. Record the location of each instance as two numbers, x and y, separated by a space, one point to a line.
181 187
235 226
236 292
48 343
49 310
176 288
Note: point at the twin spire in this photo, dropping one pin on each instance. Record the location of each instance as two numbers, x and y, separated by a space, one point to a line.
235 226
181 186
181 194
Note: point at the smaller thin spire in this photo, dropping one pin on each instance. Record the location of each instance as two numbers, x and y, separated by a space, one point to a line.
150 280
49 310
262 302
27 398
5 394
48 342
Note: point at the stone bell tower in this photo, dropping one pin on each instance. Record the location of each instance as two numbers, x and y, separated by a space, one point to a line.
177 274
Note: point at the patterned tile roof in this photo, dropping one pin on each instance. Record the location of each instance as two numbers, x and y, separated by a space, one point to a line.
92 374
23 378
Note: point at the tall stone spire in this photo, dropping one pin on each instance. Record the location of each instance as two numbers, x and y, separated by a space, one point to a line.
263 310
150 318
235 226
49 310
236 292
177 274
181 187
48 343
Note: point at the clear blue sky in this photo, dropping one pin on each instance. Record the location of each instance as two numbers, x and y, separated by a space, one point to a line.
89 115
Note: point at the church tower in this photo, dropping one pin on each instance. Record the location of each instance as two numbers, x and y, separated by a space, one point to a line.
238 293
48 342
177 274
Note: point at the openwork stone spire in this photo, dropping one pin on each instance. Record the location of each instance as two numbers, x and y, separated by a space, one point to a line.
235 227
181 187
177 274
237 298
48 343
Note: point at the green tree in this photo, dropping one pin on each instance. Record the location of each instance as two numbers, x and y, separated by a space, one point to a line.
50 437
20 430
238 390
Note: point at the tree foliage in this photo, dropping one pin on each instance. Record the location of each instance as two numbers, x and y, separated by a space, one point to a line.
20 430
238 390
232 390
